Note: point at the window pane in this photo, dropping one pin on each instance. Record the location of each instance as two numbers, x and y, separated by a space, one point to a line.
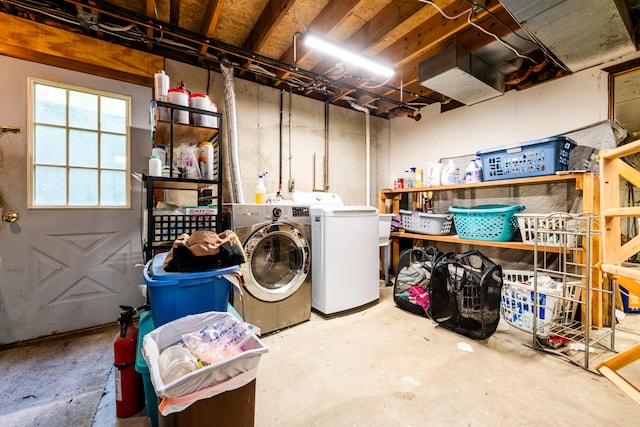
50 145
83 187
51 186
83 148
113 151
83 110
113 115
113 187
50 105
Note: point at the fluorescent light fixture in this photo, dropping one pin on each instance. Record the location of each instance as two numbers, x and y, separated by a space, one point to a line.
332 49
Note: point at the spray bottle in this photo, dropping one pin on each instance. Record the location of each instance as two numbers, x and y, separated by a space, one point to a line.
261 190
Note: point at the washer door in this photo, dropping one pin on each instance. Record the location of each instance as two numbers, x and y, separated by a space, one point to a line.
278 261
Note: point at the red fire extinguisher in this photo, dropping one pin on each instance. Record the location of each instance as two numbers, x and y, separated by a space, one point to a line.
128 382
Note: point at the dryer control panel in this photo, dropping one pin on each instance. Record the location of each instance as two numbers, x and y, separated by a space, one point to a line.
297 211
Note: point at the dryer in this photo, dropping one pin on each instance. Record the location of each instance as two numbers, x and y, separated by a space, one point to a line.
277 271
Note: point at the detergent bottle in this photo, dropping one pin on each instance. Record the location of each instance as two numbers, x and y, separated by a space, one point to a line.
450 173
261 190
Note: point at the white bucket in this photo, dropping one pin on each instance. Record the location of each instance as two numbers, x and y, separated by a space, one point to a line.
201 102
179 97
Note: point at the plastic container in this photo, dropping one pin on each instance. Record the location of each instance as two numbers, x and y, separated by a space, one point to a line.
518 297
557 229
179 97
175 362
201 101
159 150
145 326
261 190
472 173
155 166
534 158
630 302
426 223
208 376
450 173
495 223
174 295
160 86
206 160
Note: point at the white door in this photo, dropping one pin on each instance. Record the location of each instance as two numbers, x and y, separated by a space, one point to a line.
64 269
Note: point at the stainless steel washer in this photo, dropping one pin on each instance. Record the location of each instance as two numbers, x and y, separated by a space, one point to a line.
277 272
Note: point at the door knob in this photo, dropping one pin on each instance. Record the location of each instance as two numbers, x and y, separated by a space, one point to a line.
10 216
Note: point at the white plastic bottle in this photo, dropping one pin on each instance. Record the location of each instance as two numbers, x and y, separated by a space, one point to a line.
160 86
206 160
159 150
155 166
450 173
479 164
472 173
261 190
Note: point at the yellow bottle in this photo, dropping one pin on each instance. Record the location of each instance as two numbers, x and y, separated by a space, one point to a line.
261 190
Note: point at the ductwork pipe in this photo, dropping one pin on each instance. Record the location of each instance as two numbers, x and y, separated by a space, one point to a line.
232 131
367 137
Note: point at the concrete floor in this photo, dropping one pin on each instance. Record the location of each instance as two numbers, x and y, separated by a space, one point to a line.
376 367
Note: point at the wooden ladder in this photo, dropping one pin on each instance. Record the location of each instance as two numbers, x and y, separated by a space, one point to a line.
614 252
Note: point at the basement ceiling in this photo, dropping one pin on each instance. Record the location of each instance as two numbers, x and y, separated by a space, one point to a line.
262 40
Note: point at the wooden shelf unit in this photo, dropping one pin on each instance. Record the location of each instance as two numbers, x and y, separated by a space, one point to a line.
586 182
390 203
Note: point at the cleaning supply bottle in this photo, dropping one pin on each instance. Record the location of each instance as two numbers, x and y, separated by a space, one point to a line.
261 190
479 164
472 173
449 173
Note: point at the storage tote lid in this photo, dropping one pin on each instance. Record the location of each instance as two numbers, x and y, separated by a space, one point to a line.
557 139
158 272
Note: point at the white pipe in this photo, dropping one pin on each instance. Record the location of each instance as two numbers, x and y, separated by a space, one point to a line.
232 130
367 137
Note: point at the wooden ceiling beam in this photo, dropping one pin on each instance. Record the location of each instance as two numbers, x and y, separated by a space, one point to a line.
31 41
271 16
210 21
150 12
174 13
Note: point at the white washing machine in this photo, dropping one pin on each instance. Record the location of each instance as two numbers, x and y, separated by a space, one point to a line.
277 271
345 257
344 253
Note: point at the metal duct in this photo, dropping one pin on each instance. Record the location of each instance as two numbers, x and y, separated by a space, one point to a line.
580 33
456 73
232 131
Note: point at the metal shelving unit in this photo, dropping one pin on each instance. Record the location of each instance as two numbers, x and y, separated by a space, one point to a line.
568 253
162 227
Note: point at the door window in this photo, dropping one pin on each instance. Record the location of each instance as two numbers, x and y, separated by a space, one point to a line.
79 147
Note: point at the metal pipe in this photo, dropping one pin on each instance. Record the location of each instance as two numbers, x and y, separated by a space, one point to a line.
326 147
367 162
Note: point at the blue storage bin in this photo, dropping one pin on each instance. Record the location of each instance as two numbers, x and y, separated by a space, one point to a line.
174 295
534 158
145 326
630 302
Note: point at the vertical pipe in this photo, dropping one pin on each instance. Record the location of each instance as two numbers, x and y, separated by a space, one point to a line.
367 137
281 137
326 147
